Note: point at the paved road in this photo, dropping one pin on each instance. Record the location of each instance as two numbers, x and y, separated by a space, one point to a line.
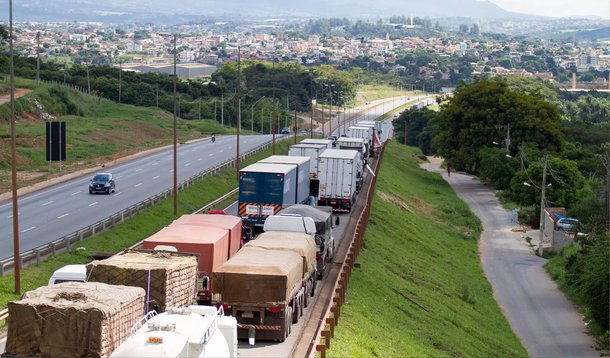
539 313
59 210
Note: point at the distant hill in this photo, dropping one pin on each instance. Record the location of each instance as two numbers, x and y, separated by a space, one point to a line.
186 10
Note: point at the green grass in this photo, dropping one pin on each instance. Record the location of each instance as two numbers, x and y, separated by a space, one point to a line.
97 130
420 290
133 230
375 92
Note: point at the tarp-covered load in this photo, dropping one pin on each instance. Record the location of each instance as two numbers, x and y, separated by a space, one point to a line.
300 243
73 319
170 279
258 276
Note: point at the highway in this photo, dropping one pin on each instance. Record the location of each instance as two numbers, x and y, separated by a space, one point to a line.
59 210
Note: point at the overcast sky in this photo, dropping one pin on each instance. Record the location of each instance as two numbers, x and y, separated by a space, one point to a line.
557 8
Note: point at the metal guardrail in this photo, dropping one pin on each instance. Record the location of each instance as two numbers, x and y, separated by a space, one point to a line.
326 330
64 243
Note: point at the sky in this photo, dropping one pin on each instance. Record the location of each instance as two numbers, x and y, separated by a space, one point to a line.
557 8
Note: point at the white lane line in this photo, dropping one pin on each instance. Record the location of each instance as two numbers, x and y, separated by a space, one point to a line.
63 216
199 159
156 177
137 185
117 194
222 150
28 229
47 203
118 177
138 170
211 155
78 192
187 164
92 204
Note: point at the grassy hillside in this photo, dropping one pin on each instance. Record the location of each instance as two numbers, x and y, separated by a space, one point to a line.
98 130
420 290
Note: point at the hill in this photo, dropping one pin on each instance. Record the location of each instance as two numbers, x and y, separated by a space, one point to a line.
420 290
98 131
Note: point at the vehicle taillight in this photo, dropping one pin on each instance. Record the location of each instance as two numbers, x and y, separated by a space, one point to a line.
275 309
345 200
318 257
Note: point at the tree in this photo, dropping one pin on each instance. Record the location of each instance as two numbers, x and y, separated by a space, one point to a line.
480 113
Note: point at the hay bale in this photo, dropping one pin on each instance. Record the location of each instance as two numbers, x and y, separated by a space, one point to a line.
170 279
73 319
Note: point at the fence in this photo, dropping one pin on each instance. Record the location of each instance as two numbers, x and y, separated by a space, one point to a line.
326 331
64 243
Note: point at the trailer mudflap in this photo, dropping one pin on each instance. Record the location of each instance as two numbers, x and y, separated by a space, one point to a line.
259 327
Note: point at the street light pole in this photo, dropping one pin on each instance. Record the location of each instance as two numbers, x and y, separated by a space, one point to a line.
542 216
238 124
38 57
313 103
175 137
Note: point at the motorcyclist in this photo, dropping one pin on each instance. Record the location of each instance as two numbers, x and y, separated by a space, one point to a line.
213 137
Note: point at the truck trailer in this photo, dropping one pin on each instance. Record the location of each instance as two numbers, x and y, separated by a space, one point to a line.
358 144
312 151
340 174
327 142
264 189
363 132
303 165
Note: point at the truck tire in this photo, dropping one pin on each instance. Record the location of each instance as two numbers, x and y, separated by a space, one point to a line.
297 310
307 295
287 323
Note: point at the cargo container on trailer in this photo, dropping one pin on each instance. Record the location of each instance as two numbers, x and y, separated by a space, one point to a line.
312 151
327 142
340 174
358 144
303 165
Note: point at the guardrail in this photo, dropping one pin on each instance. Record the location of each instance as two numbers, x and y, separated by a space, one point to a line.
64 243
326 330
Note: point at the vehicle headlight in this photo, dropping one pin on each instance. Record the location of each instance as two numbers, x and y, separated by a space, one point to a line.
106 184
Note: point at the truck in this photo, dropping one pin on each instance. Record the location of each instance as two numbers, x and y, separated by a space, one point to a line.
327 142
225 222
378 125
322 217
209 243
193 331
363 132
312 151
341 173
264 288
264 189
355 144
303 165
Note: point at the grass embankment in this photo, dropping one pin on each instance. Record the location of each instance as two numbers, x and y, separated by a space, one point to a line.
133 230
374 92
420 290
97 131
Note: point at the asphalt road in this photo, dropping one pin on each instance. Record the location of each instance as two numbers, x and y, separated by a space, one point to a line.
59 210
545 321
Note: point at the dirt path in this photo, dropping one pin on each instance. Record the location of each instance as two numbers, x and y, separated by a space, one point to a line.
19 92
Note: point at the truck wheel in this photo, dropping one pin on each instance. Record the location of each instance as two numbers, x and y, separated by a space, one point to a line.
307 295
297 308
287 322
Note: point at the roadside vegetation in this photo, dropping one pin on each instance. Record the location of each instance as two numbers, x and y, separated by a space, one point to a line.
135 229
420 290
566 132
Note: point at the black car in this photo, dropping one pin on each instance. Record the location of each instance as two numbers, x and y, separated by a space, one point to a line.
102 183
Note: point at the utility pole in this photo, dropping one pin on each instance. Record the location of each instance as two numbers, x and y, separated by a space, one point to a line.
313 103
199 108
252 124
16 258
238 124
508 139
262 121
88 80
175 138
542 221
121 77
274 116
38 57
222 110
295 125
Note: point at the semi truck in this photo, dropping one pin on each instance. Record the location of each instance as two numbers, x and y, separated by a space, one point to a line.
193 331
363 132
264 189
312 151
358 144
340 174
327 142
303 165
378 125
265 285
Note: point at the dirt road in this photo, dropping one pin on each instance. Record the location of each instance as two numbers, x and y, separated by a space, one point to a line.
19 92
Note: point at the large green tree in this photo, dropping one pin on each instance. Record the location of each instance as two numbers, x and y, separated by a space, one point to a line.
479 115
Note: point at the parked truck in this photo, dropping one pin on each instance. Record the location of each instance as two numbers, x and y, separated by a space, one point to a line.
193 331
288 220
312 151
327 142
378 125
264 189
264 285
363 132
340 174
358 144
303 165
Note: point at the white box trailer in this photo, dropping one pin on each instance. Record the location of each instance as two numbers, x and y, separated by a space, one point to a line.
327 142
303 169
312 151
362 132
354 144
378 125
340 175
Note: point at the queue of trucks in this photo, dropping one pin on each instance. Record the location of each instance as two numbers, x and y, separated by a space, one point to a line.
205 281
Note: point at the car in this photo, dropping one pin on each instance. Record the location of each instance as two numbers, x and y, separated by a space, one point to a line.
69 273
285 130
102 183
568 224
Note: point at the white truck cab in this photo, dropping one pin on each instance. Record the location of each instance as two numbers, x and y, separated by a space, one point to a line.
69 273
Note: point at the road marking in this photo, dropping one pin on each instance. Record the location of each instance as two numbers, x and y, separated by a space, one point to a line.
138 170
137 185
63 216
199 159
187 164
222 150
92 204
47 203
78 192
156 177
211 155
118 177
117 194
28 229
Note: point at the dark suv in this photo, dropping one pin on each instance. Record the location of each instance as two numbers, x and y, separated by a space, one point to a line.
102 183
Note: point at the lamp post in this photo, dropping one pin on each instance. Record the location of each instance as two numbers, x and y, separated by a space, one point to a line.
253 104
542 206
175 134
